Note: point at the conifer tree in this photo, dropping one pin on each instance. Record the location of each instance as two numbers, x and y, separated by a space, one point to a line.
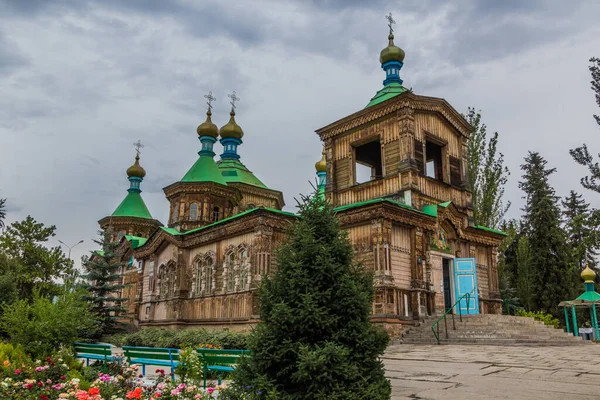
103 283
486 175
581 225
315 339
552 271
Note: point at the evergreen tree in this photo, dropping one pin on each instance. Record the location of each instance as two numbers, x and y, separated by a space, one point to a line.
29 262
553 274
486 175
2 212
525 273
581 154
103 284
315 339
581 225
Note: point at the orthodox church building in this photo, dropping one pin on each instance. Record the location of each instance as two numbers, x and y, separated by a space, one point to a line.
395 172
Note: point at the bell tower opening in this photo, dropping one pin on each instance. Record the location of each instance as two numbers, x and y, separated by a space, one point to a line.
433 161
368 166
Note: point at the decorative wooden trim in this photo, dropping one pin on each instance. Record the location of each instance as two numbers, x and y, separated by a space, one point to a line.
395 105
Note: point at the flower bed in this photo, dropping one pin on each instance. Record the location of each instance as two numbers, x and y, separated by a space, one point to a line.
60 379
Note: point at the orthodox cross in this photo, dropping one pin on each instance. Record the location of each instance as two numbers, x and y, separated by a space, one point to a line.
138 145
390 22
210 99
233 98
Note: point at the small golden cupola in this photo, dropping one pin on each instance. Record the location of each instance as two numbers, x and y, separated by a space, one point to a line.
136 170
588 274
208 128
231 133
231 129
321 165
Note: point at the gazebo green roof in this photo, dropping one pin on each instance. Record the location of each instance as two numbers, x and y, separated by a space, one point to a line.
204 170
390 90
589 296
233 170
132 206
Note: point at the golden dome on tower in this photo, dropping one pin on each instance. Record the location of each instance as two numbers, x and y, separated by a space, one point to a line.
136 169
391 52
231 129
208 128
321 165
588 274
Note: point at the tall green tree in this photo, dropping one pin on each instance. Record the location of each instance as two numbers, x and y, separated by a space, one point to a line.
315 339
553 272
581 154
581 225
486 174
103 277
29 261
2 212
525 273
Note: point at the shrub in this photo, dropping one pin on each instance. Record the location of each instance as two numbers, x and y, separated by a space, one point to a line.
156 337
43 326
547 319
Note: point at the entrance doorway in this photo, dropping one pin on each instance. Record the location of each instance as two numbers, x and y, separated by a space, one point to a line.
447 283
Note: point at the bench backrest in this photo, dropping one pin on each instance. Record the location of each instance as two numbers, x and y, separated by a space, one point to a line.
220 356
93 348
151 353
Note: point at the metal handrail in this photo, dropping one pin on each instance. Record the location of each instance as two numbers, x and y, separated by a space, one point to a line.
436 323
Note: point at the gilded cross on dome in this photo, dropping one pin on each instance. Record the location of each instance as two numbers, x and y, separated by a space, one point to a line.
233 98
390 22
138 145
210 99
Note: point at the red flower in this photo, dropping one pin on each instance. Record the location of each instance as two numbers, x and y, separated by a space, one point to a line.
62 378
40 384
94 391
43 397
136 394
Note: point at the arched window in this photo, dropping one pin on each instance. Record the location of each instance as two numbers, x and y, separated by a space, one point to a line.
230 271
194 211
243 259
198 278
216 213
208 275
175 213
172 281
164 281
251 206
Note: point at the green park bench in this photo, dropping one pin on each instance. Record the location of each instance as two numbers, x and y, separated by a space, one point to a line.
219 360
164 357
93 351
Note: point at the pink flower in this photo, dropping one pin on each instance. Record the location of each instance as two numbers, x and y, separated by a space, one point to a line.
210 390
17 371
29 386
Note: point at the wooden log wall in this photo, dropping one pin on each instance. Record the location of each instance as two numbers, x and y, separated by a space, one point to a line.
401 259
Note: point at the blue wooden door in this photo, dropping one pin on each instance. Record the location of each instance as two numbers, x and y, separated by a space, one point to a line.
465 281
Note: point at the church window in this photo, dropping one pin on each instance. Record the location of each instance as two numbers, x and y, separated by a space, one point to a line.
230 272
208 275
243 260
368 164
175 213
216 213
433 161
172 281
198 277
193 211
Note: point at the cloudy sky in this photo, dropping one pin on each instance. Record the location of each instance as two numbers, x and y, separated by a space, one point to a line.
80 81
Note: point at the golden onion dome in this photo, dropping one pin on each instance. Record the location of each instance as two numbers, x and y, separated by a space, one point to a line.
391 52
208 128
588 274
321 165
231 129
136 169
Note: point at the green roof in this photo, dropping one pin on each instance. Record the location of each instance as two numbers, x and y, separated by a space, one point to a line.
132 206
175 232
375 201
204 170
485 228
233 170
589 296
391 90
136 241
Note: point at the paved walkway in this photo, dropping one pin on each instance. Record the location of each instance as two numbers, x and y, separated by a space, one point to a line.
493 372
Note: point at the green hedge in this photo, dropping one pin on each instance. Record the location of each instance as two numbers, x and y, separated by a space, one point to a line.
155 337
547 319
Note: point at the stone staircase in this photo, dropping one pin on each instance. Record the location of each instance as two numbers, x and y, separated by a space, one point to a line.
490 329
